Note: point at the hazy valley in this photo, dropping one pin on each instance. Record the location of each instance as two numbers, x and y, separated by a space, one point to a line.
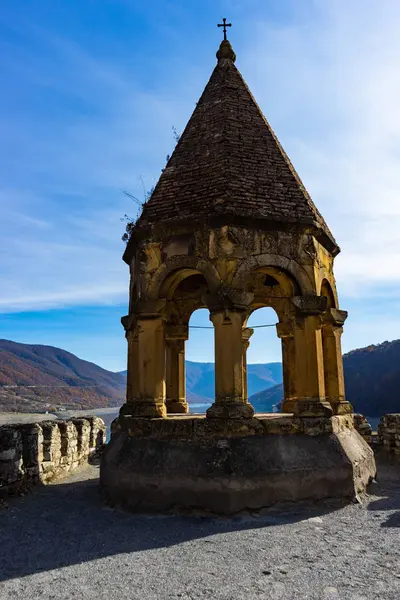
36 378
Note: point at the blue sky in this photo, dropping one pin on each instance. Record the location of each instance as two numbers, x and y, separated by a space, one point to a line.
91 91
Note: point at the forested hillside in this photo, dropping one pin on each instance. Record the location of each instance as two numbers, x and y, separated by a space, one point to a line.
372 378
36 378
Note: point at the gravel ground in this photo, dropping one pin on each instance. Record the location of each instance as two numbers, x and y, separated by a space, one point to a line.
60 542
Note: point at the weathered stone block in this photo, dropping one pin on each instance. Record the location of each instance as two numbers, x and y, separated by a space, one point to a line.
7 455
97 434
83 429
229 474
51 448
11 463
32 442
39 452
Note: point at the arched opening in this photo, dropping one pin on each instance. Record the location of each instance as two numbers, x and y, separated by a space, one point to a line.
196 349
273 289
262 360
184 291
200 367
326 290
182 283
332 352
271 284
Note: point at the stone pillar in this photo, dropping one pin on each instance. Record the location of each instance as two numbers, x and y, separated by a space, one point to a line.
132 373
310 381
175 369
151 401
285 331
333 362
247 332
146 366
229 400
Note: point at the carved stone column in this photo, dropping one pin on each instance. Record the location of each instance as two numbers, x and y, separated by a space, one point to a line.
310 380
332 331
129 323
247 332
133 372
146 366
285 331
229 401
152 367
175 369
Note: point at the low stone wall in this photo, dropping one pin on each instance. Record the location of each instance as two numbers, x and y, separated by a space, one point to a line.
38 452
389 433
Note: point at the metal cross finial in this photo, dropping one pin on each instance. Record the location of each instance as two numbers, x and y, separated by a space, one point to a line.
224 24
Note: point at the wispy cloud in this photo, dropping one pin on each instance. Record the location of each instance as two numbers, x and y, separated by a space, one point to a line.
63 175
81 126
330 84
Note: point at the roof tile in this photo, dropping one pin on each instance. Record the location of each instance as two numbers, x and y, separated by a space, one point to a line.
228 160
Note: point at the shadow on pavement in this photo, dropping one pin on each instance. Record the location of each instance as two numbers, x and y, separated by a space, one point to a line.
388 488
66 523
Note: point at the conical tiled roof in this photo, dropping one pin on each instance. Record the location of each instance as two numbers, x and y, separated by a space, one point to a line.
229 162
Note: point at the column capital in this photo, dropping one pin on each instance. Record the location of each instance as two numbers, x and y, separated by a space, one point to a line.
176 332
311 304
247 332
334 317
224 316
129 322
177 344
285 329
309 320
148 309
227 298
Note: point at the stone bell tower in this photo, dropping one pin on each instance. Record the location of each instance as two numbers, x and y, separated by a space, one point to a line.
230 227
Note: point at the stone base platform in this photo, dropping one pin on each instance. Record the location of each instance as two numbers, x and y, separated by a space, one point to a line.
225 466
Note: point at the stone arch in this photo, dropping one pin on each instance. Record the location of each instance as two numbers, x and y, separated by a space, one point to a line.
329 292
273 260
272 287
184 264
253 333
284 309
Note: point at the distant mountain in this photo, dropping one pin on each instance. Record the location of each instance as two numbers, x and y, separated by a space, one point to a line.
372 379
200 379
200 382
36 378
268 400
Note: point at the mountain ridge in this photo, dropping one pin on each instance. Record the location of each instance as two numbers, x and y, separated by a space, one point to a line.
372 380
38 377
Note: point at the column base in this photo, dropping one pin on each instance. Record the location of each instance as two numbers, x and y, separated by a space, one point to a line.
312 407
147 408
230 410
340 407
289 405
177 406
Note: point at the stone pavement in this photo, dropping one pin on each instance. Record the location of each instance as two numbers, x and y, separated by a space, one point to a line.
60 542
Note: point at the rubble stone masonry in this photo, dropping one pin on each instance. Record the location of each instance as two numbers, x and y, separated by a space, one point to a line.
363 427
39 452
389 433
